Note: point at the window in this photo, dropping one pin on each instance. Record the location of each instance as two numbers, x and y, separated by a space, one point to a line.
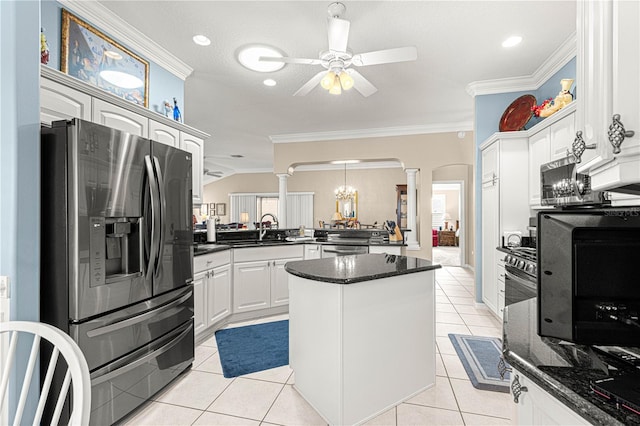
438 203
299 208
267 205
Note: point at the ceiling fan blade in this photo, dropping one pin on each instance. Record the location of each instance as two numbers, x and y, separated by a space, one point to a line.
286 60
338 34
399 54
361 84
309 85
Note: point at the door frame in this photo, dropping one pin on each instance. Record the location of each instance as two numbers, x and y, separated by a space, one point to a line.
463 211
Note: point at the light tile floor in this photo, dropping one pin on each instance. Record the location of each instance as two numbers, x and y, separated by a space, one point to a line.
204 397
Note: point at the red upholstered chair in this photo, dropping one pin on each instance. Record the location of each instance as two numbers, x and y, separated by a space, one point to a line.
434 237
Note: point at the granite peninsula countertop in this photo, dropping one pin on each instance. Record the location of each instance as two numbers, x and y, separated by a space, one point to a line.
562 369
358 268
207 248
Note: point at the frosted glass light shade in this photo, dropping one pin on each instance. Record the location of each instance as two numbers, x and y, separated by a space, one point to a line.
327 80
346 80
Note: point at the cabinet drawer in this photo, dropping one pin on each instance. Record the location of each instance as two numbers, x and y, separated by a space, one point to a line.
250 254
212 260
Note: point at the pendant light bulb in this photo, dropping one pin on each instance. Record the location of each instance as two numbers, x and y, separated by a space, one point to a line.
327 80
346 80
335 88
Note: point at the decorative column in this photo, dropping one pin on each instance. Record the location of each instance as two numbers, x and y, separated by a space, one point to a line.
282 200
411 236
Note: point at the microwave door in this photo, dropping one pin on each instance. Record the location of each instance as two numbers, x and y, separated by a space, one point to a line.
174 267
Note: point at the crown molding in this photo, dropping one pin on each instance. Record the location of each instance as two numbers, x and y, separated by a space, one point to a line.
120 30
372 133
559 58
316 167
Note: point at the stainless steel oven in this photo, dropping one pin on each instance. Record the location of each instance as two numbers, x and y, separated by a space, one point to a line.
520 282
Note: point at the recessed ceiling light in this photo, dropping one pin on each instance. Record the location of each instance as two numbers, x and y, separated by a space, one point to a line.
512 41
249 57
269 82
201 40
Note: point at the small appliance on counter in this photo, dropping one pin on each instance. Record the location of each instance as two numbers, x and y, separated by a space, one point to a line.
588 289
211 230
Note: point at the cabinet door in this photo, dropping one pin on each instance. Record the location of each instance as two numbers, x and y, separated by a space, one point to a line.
196 147
490 240
538 155
490 163
219 294
280 282
386 250
164 134
60 102
199 301
251 286
537 407
311 251
119 118
561 136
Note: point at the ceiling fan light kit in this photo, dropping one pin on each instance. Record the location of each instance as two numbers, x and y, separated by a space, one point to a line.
338 59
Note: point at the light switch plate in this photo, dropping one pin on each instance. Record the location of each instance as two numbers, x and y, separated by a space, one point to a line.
4 287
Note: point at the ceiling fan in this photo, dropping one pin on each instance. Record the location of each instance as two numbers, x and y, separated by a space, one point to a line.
338 75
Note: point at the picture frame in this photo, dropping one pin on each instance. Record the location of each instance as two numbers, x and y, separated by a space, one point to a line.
221 209
93 57
212 209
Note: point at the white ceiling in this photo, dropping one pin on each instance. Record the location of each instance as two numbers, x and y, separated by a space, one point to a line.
458 43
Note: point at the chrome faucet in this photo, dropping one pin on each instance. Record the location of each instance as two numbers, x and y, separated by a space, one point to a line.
275 220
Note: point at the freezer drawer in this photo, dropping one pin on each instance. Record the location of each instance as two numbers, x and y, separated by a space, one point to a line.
111 336
122 386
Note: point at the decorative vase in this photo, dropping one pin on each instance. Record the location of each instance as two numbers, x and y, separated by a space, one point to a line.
566 96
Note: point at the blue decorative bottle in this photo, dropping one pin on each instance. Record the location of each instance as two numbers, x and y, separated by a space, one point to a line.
176 111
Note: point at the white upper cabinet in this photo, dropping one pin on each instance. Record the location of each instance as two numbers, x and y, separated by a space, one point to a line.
609 90
195 146
164 134
119 118
60 102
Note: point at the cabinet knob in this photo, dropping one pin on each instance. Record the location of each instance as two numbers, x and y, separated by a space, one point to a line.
517 389
579 146
617 133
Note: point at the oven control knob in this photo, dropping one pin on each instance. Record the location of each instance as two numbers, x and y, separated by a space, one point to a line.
520 264
507 259
531 268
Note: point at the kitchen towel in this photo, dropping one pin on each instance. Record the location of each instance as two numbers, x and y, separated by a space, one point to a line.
252 348
480 357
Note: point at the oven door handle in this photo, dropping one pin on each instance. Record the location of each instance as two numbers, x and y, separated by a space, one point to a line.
519 280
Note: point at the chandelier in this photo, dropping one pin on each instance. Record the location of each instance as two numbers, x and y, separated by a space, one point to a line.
345 192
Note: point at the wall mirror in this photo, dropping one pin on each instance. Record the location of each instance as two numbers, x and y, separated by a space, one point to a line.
348 208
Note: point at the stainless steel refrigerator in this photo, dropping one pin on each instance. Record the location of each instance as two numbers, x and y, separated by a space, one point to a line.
117 258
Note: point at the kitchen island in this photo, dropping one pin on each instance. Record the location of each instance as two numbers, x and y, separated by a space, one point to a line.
361 332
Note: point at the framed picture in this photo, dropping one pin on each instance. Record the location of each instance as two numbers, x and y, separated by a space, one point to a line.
212 209
221 209
91 56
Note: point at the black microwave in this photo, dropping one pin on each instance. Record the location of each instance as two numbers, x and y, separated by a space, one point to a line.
588 284
561 185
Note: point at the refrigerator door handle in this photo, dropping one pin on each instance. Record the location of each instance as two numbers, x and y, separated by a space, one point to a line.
163 211
110 328
153 192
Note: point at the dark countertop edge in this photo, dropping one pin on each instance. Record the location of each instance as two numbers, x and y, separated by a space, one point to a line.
222 246
563 394
362 278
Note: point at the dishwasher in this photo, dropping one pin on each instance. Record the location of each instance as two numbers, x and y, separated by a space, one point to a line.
343 250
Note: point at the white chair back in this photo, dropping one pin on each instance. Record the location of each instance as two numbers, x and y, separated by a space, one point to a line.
77 373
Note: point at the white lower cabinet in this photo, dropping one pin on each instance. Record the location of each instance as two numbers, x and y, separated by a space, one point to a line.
312 251
534 406
259 278
211 289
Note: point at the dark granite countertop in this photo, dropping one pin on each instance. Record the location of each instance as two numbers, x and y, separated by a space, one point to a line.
358 268
562 369
201 249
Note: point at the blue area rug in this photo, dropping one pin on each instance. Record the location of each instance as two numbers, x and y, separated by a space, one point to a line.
252 348
480 357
